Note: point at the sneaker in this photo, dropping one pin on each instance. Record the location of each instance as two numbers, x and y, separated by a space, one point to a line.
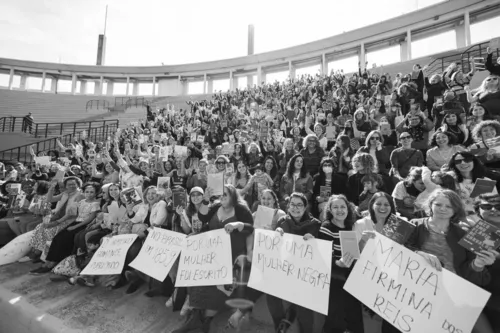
84 282
72 280
169 303
193 322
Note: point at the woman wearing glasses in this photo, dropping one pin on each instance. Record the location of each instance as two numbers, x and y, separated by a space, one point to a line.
298 222
418 125
232 214
467 169
404 157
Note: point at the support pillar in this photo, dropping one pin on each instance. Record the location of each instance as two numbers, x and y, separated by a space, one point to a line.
22 85
11 78
468 39
73 84
210 86
110 88
154 86
128 84
53 85
259 75
98 86
43 82
362 57
231 81
250 81
291 70
135 88
408 46
205 83
324 65
403 51
83 87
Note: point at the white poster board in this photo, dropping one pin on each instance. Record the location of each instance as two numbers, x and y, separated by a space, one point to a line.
159 252
402 288
292 269
109 258
215 181
206 260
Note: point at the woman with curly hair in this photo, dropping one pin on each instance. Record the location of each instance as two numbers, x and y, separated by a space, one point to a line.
484 131
443 147
344 311
362 164
454 124
312 154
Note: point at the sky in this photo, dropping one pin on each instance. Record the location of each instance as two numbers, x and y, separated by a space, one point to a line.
151 32
155 32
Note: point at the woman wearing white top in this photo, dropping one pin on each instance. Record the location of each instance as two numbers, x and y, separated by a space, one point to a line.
380 208
152 205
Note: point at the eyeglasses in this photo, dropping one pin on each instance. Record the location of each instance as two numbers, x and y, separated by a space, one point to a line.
375 138
298 206
489 207
219 163
404 137
464 160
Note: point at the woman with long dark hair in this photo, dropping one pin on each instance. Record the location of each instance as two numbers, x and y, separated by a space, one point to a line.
295 179
326 179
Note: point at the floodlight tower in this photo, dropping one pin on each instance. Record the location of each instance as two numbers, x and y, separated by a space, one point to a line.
101 44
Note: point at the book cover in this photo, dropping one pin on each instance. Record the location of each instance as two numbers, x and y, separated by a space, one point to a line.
325 191
163 184
482 236
349 243
482 186
132 196
179 198
398 229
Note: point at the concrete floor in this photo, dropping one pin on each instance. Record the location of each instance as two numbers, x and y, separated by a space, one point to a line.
35 304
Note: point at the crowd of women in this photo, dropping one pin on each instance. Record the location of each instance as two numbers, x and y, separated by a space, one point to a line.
328 153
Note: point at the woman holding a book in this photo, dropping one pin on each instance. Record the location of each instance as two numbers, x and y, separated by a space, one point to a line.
467 169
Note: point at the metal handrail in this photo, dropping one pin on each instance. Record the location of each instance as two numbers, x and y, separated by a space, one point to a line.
439 65
95 102
23 154
136 101
44 130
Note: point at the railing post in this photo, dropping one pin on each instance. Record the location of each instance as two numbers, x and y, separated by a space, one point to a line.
13 124
74 128
3 127
18 153
90 127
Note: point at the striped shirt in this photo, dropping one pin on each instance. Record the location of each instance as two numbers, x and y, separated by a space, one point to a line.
330 232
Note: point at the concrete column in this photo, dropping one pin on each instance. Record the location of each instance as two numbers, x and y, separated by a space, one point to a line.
43 82
83 87
403 51
110 89
98 86
22 85
231 81
135 88
11 78
460 36
205 83
53 85
235 82
210 86
259 76
73 84
408 46
362 56
324 65
468 39
128 83
250 81
291 70
154 85
184 86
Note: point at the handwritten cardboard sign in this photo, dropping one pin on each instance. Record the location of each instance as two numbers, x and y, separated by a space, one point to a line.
402 288
109 259
206 260
281 264
159 252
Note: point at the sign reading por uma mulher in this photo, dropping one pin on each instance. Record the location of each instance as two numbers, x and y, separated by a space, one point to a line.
402 288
